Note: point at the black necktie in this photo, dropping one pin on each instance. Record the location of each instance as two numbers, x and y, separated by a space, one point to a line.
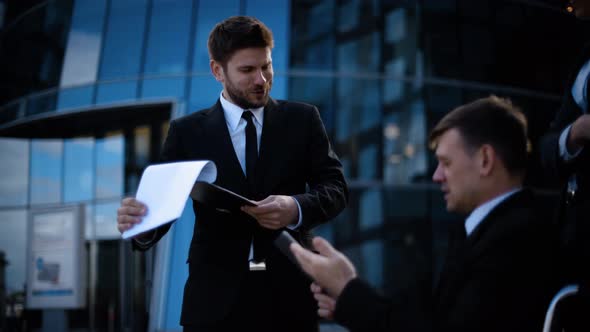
251 146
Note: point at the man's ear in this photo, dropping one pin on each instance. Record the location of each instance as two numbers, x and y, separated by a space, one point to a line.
487 159
216 70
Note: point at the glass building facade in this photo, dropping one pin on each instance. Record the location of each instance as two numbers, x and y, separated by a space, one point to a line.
89 87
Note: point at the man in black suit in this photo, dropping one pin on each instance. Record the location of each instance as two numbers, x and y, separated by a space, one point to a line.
498 272
275 152
565 153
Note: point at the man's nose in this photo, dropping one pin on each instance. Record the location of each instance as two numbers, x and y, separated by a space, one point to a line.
260 78
438 176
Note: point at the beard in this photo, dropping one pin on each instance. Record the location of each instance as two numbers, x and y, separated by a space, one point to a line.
243 99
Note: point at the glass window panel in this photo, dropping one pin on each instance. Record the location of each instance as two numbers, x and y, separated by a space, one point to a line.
13 242
349 15
116 92
395 25
204 92
209 13
370 209
79 161
110 163
14 171
83 47
105 221
124 37
367 167
164 87
142 146
46 171
168 38
89 232
320 12
75 97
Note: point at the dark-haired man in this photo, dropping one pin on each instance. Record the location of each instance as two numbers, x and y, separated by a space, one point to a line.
276 152
498 272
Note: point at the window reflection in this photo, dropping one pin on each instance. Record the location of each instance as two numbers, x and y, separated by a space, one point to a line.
168 37
79 161
83 49
14 171
123 42
110 163
13 242
46 171
105 221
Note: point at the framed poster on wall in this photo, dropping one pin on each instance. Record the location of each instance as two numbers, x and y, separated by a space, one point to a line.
56 258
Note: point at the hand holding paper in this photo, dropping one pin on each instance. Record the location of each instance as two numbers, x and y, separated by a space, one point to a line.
163 189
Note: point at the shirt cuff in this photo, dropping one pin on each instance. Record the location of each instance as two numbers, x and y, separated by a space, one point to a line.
294 227
563 152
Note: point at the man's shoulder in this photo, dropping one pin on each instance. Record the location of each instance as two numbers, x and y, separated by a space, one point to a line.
194 117
289 105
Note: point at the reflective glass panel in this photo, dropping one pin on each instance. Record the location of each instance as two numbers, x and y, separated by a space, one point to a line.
167 48
110 163
124 37
14 171
13 242
78 177
83 47
46 171
105 221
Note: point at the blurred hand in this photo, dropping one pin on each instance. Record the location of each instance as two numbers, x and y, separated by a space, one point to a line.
274 212
331 270
579 133
130 213
326 304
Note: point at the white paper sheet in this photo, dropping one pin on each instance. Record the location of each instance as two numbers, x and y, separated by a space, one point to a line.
164 189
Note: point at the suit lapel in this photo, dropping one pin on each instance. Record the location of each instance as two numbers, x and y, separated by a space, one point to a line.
229 171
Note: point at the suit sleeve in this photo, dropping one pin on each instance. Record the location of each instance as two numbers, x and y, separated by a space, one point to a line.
552 162
328 193
170 152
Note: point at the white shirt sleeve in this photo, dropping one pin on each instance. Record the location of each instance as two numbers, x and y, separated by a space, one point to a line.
294 227
563 152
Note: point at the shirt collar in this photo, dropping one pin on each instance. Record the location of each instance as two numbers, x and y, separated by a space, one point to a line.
483 210
233 112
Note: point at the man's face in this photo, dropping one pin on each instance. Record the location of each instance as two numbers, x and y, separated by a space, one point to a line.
581 8
247 77
457 172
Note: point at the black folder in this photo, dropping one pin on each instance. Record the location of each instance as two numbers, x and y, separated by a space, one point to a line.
218 197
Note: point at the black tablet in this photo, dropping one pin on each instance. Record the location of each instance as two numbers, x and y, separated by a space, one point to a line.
218 197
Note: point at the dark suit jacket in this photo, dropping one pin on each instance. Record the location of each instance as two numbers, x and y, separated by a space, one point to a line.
498 279
296 159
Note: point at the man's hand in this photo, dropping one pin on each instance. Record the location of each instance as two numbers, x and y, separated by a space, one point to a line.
130 213
579 133
326 304
331 270
274 212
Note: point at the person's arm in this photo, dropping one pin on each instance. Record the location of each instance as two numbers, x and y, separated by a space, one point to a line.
328 192
357 305
131 211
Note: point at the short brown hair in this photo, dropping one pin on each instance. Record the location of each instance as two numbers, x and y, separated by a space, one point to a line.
491 120
236 33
